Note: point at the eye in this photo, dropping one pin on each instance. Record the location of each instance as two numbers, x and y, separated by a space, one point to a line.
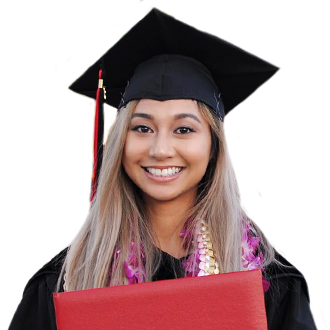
141 129
184 130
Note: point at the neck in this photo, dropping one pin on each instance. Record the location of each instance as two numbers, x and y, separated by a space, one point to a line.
167 219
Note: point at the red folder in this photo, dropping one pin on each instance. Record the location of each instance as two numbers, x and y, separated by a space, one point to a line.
226 301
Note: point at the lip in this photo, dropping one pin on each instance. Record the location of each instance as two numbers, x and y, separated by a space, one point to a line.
163 179
163 167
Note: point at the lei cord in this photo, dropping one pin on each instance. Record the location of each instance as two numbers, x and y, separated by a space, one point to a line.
203 261
131 266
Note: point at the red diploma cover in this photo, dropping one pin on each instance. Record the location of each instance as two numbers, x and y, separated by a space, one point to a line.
232 301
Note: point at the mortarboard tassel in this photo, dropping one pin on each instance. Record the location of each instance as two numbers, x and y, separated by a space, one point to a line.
98 134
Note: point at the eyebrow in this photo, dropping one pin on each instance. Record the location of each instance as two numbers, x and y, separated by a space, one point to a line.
176 117
142 115
184 115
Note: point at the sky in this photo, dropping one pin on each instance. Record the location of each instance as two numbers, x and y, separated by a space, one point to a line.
210 19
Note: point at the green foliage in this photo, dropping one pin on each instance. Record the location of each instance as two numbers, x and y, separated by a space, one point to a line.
308 235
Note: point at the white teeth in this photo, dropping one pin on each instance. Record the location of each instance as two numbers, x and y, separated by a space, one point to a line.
165 172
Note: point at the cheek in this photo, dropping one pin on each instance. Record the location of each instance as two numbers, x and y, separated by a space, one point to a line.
128 159
198 154
133 151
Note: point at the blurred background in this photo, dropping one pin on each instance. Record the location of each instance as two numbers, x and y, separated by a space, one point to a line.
278 138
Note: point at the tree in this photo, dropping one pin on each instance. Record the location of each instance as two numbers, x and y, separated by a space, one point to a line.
44 47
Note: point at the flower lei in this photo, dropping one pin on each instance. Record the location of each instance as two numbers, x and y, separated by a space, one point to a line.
203 261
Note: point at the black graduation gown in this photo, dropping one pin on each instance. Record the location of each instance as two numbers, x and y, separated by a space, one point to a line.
286 301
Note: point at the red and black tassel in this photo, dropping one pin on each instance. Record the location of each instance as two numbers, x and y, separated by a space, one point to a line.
98 134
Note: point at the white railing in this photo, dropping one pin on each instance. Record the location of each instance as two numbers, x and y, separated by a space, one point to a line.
23 250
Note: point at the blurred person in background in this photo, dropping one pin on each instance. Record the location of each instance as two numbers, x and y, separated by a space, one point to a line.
29 208
259 200
9 186
78 191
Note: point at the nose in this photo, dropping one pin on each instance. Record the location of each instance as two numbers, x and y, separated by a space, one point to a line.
162 147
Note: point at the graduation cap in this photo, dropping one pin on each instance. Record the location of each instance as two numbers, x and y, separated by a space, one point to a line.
259 159
162 58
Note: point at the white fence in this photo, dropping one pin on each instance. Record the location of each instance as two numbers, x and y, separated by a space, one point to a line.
23 250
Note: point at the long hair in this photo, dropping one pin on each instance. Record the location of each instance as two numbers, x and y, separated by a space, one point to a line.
118 217
26 178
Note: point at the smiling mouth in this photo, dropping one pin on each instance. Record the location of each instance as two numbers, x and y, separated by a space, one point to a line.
163 172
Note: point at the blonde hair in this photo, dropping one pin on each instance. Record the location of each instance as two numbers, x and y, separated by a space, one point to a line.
118 216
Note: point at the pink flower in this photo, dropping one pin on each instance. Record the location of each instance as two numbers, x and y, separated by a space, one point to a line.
131 266
265 284
190 264
250 245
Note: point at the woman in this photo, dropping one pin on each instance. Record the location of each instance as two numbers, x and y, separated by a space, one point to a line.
260 202
28 207
166 178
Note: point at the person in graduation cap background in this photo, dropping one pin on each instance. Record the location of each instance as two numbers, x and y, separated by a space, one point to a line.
163 186
253 165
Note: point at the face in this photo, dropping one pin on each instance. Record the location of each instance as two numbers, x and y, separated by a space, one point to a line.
85 170
37 178
14 160
248 176
167 148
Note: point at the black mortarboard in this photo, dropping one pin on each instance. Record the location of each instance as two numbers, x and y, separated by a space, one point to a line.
236 74
162 58
259 159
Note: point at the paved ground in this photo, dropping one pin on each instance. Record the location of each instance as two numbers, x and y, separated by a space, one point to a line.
314 272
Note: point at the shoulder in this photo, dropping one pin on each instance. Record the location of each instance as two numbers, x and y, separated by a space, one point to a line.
283 277
51 269
287 300
36 309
